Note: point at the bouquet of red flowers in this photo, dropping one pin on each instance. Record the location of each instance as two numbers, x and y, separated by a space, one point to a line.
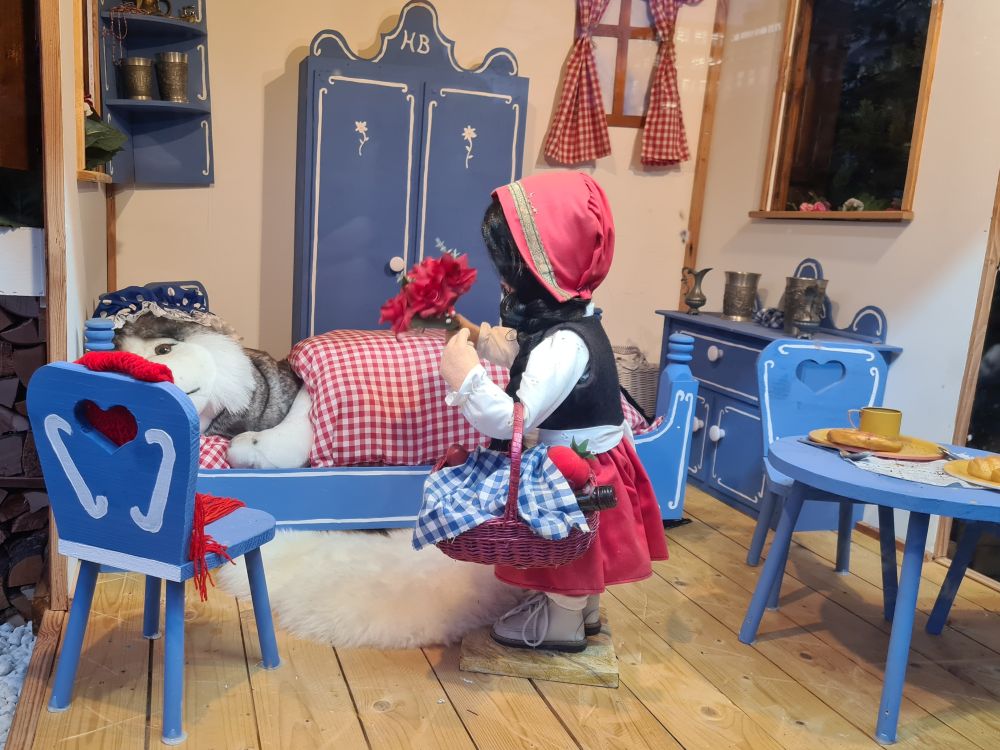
429 292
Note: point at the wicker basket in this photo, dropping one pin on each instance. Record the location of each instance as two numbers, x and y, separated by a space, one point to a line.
638 377
508 540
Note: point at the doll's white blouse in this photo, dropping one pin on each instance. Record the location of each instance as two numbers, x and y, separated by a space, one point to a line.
553 369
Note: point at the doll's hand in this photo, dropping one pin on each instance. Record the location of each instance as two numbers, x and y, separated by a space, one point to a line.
458 359
465 324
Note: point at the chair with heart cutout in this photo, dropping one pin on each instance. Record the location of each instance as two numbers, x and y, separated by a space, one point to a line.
803 386
132 508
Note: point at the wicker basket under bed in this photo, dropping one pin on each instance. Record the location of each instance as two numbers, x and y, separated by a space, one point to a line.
638 377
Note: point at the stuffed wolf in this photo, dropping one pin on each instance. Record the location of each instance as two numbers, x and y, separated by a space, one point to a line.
241 394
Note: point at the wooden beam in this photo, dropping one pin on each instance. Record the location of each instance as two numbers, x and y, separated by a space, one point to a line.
705 129
54 179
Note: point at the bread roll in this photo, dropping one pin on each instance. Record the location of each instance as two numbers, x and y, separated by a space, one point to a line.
983 468
995 476
865 440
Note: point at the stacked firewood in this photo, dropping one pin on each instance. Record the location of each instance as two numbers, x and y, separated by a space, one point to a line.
23 502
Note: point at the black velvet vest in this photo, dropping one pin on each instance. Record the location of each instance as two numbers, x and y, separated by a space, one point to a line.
596 398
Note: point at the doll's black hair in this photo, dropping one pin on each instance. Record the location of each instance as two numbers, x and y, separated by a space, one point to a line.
530 308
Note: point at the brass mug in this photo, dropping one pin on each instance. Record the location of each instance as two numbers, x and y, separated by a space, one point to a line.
878 421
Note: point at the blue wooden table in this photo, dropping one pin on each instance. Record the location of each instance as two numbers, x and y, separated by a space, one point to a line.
822 469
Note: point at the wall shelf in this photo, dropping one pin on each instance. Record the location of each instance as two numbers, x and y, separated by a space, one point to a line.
161 25
169 143
158 106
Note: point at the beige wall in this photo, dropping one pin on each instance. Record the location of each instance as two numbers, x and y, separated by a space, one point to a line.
237 235
924 274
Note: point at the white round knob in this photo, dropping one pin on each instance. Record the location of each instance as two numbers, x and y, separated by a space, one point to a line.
697 424
397 264
716 433
714 353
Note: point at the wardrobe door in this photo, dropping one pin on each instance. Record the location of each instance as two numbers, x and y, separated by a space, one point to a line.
472 144
363 142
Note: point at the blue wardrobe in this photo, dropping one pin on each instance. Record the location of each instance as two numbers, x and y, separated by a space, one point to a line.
397 157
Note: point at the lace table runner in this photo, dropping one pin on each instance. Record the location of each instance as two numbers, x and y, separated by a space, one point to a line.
924 472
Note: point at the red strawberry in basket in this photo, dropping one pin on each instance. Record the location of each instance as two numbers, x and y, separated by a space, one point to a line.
573 463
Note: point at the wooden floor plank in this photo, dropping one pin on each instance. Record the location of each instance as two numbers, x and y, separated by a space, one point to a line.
785 709
218 707
952 650
498 712
35 690
967 708
681 699
966 617
305 703
400 701
606 718
109 698
836 680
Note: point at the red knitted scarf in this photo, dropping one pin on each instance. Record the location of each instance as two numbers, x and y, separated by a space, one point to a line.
119 426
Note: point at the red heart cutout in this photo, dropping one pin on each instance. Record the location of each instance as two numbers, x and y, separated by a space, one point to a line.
116 424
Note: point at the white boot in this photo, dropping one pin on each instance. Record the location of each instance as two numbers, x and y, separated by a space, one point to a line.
538 622
592 615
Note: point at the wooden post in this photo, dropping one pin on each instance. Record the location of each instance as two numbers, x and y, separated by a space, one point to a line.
54 179
705 139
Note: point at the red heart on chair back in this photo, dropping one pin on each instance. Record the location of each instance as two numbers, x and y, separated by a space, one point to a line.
116 424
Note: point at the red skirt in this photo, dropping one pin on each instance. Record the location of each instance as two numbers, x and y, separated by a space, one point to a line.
629 537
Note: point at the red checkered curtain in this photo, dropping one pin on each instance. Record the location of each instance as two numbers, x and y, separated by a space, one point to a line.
663 139
579 128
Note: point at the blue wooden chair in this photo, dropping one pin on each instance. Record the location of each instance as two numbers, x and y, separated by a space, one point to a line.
131 508
805 385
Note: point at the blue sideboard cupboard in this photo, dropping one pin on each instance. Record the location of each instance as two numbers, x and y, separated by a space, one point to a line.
169 143
397 157
726 458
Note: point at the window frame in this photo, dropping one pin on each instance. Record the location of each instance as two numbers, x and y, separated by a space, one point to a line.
624 32
785 113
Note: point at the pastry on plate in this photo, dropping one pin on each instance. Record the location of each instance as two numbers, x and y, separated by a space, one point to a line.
865 440
985 468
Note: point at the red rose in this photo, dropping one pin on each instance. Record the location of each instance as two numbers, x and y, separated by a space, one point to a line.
397 312
458 277
427 300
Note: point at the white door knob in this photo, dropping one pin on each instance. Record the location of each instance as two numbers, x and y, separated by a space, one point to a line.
697 424
716 433
714 353
397 264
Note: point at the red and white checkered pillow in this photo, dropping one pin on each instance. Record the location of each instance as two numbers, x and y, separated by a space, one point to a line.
379 399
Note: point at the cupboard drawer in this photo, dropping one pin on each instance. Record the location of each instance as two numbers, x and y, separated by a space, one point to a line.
728 366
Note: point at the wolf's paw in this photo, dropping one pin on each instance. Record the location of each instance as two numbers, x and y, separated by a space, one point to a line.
247 451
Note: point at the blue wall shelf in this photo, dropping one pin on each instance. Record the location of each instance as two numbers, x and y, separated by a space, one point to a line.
170 143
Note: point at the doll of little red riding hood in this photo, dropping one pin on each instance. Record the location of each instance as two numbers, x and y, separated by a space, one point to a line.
551 238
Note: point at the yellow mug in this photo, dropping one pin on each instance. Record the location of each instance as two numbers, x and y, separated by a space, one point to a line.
877 421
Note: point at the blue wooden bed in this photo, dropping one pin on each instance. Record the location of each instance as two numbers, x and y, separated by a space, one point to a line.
389 496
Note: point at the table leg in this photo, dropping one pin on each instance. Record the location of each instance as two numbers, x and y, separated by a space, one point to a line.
887 542
902 628
773 566
845 525
959 564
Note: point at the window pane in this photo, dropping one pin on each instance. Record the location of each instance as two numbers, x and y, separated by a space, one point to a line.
613 14
641 56
848 131
639 14
605 51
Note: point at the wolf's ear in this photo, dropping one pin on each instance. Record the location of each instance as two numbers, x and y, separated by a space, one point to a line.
234 380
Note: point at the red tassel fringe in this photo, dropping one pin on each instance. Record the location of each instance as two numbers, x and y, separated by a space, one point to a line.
208 508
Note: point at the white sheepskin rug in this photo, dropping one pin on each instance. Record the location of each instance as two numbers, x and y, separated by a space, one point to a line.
353 589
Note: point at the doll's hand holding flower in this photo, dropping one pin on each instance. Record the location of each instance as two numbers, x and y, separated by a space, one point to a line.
458 359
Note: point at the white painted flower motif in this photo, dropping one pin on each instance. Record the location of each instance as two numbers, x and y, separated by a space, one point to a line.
468 134
361 126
